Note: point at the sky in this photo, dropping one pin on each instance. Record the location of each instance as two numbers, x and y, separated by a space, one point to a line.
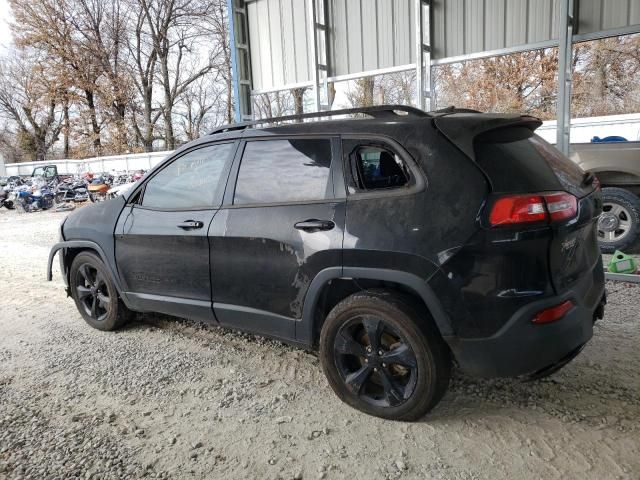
5 18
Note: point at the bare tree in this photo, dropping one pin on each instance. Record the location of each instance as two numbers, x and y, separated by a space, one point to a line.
276 104
177 32
143 65
101 26
48 26
28 98
201 107
605 76
217 26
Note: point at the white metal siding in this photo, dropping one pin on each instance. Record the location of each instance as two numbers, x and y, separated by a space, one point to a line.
279 41
370 35
463 27
599 15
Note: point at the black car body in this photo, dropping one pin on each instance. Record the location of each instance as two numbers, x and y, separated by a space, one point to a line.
469 217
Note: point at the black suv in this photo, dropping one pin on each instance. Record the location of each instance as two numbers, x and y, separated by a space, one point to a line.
395 241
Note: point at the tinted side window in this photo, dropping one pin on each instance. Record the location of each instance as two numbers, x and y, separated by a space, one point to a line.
284 171
378 167
190 181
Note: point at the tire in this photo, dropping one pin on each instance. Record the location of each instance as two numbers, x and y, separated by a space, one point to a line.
95 293
417 369
21 206
619 224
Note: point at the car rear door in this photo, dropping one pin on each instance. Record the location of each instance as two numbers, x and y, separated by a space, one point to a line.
162 246
281 223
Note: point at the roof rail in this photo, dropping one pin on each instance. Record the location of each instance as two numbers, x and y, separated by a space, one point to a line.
453 109
378 111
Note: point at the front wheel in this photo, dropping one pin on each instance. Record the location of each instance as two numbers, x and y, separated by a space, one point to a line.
59 198
619 223
382 354
95 294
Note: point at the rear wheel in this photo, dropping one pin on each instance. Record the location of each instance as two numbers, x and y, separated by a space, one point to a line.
95 294
619 223
382 355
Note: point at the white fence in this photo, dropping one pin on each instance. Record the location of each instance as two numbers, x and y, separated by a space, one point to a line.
138 161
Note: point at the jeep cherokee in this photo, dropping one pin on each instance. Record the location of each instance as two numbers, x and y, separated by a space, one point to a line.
395 242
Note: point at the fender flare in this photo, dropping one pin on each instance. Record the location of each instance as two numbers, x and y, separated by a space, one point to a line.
304 329
85 244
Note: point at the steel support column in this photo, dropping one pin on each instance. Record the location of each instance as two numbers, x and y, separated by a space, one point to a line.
240 59
423 54
319 54
565 70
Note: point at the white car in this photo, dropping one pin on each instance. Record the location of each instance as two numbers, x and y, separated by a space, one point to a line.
119 190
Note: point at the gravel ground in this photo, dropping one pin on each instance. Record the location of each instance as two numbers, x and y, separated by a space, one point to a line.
166 398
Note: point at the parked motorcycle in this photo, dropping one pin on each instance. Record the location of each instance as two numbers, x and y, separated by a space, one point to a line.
74 191
99 187
28 200
5 201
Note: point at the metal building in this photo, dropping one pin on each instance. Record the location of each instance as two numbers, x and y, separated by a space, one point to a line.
284 44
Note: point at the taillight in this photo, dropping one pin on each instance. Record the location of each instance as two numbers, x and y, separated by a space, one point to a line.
561 205
553 314
516 209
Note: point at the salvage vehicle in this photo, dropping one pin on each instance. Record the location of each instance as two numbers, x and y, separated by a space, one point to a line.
617 166
48 172
394 243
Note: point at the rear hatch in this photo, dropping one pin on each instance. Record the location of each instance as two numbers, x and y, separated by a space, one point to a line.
516 161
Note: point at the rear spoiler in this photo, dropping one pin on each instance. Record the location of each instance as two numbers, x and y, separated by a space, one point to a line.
462 128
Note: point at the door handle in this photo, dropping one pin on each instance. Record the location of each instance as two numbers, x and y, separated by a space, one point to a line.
190 225
314 225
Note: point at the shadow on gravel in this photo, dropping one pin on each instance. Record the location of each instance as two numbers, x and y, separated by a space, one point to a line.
579 393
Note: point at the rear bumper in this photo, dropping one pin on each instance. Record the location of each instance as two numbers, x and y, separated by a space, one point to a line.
522 348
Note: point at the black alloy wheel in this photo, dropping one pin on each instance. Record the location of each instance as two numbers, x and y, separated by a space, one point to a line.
383 354
93 293
375 362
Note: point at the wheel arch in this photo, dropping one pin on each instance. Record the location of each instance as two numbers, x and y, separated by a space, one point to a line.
307 330
70 249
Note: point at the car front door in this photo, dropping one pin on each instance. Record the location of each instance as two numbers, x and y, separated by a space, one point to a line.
162 247
280 226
